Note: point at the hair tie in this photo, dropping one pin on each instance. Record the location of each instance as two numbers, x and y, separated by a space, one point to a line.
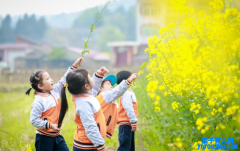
65 85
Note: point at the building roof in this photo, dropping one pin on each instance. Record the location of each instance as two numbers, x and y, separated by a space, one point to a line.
13 46
123 43
26 40
93 54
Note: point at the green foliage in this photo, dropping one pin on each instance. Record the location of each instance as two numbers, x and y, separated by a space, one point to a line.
84 51
108 34
56 53
93 26
118 25
15 109
124 20
86 19
6 31
30 27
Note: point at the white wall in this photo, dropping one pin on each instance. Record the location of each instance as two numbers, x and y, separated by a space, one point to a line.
12 55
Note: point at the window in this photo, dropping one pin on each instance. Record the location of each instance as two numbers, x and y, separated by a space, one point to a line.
150 30
150 9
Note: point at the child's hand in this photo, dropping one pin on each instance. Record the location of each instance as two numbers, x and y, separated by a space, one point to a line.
102 71
78 62
132 77
134 127
55 127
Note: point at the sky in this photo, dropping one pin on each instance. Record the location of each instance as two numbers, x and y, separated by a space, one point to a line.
45 7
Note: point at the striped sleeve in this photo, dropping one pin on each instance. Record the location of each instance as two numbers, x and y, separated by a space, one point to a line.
128 81
134 125
101 148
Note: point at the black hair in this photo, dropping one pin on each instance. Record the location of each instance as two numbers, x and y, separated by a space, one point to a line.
35 79
123 75
76 81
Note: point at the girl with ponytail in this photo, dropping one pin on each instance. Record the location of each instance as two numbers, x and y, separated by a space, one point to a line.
91 128
46 108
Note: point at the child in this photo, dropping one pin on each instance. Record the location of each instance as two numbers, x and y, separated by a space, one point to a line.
107 99
91 127
127 116
46 108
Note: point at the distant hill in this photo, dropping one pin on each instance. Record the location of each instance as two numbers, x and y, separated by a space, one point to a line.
65 20
126 4
1 19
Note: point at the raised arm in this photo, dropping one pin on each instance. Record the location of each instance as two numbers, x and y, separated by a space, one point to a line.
112 95
97 79
58 87
119 90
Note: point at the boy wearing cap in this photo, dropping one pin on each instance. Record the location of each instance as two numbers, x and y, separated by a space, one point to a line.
127 116
107 99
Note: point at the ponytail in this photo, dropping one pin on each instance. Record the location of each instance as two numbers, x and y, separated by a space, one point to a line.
64 107
28 91
75 82
35 79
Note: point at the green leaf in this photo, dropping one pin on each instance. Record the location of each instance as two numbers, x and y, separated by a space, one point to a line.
84 51
95 27
186 111
143 65
91 28
189 118
85 43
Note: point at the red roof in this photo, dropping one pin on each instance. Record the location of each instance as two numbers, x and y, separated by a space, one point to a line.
93 54
13 46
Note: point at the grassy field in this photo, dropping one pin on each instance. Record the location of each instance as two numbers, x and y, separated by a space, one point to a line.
17 133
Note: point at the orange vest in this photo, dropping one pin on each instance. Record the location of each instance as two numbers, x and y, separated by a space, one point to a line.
51 114
81 140
110 113
123 118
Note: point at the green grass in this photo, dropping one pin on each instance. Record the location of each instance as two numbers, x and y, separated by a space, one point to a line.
15 108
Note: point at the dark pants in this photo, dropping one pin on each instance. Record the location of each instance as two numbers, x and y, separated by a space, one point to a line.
45 143
126 138
77 149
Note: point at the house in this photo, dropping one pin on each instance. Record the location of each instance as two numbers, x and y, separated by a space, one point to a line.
149 21
9 52
93 59
150 18
127 53
26 40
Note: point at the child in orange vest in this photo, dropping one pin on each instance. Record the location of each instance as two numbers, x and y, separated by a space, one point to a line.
46 108
107 99
127 116
91 128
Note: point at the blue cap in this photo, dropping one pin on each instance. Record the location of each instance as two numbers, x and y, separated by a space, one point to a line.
112 78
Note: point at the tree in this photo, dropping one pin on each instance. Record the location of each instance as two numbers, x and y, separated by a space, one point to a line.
31 27
109 33
41 27
6 31
86 19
